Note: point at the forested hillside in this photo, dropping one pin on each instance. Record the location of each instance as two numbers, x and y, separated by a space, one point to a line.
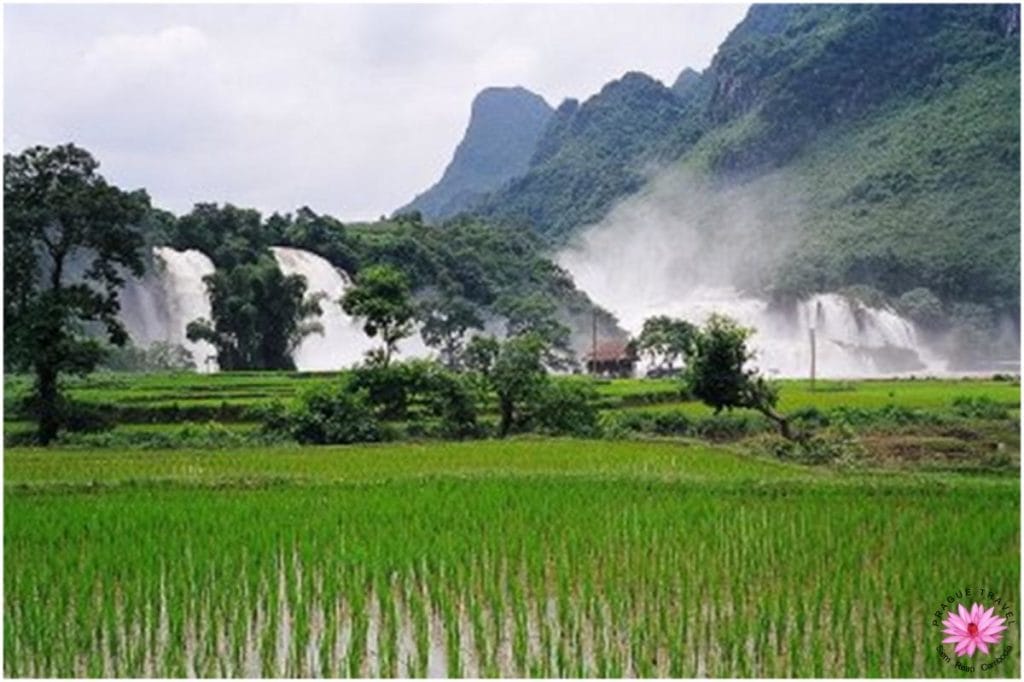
897 125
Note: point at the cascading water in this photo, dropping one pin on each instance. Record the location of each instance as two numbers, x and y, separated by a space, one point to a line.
171 294
851 340
343 342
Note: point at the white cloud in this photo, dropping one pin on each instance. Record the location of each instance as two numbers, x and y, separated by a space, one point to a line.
349 109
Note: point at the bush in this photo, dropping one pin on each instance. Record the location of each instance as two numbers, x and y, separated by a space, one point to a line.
389 388
979 407
452 399
834 446
329 414
562 408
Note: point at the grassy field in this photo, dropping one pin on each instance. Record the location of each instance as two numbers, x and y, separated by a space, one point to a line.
526 557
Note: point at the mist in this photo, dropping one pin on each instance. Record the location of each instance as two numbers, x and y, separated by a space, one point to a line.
688 247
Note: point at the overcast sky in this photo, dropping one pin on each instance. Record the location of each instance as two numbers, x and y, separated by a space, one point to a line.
351 110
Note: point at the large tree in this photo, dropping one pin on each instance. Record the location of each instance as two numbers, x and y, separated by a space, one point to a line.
445 321
260 315
382 298
718 372
665 339
514 370
69 239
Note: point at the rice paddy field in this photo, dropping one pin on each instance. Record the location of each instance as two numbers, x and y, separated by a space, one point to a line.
526 557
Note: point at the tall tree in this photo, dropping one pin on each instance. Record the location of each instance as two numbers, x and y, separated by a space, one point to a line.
260 315
61 215
382 298
445 320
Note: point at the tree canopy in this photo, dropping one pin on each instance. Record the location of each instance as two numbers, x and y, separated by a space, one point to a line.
69 240
259 316
719 374
382 299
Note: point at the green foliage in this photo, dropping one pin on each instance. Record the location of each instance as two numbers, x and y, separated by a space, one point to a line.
59 209
536 315
979 407
561 408
422 395
260 315
228 235
381 298
592 154
321 234
160 356
445 319
330 414
666 340
517 377
481 353
716 373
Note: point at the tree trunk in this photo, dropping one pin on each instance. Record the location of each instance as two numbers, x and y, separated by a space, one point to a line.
506 416
785 430
49 404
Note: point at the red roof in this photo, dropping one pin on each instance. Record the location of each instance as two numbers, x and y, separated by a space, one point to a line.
610 351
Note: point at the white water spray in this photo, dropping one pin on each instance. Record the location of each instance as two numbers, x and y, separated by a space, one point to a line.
171 294
343 342
678 249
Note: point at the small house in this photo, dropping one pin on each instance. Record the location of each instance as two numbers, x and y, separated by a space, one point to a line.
611 359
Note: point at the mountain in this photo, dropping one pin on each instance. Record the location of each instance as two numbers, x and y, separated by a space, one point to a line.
899 127
504 127
894 129
590 154
687 84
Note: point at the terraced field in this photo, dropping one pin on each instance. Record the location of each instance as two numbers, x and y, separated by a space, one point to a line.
228 555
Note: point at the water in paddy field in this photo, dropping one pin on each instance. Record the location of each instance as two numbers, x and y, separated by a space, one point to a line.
171 294
343 342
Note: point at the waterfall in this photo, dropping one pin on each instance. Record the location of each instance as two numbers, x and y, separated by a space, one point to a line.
159 306
343 342
852 339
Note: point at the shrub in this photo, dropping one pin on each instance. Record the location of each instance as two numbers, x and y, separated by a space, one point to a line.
329 414
453 400
979 407
389 388
836 446
562 408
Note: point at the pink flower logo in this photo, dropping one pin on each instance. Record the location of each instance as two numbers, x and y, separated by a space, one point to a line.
972 630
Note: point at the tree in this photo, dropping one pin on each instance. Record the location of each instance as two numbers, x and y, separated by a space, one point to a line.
517 377
381 297
61 216
665 340
229 235
260 315
445 321
481 352
537 315
718 376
